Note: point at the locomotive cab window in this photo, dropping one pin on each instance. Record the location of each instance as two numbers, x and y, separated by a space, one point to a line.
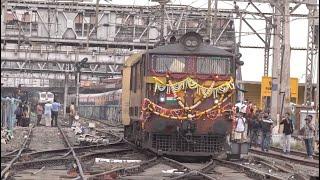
213 65
164 63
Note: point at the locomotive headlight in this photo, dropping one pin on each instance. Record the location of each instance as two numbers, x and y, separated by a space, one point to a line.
188 43
191 41
162 97
194 43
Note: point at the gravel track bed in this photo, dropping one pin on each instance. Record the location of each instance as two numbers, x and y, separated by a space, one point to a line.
46 138
18 138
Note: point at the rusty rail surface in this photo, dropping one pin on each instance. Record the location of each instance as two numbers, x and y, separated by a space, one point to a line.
305 162
82 176
4 172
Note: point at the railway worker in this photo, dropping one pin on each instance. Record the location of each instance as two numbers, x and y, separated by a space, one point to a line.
72 113
287 131
266 129
240 131
39 111
47 113
308 134
55 111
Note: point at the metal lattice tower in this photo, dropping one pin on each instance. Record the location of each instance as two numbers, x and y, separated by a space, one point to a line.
267 47
311 50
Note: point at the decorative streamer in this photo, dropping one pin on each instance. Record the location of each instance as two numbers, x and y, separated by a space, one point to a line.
192 84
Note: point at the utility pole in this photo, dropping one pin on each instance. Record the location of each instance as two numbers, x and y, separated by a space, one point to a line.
213 24
209 20
162 23
77 88
275 63
310 52
162 4
3 17
65 97
285 66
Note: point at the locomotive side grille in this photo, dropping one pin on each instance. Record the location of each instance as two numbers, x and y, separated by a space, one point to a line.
175 143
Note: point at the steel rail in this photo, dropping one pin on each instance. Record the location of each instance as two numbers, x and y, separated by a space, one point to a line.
125 171
279 167
295 153
251 172
62 161
286 158
194 175
23 147
82 176
65 150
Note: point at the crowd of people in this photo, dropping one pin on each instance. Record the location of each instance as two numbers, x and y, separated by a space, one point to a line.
255 127
50 112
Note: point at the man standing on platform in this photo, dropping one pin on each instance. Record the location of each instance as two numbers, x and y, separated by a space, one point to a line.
308 134
266 129
287 131
55 112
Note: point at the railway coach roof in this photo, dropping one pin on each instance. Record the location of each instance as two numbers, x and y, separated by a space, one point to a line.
178 49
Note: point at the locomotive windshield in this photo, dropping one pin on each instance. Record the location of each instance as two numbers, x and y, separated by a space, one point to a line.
214 65
197 64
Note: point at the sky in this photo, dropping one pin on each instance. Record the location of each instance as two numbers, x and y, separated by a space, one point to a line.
252 70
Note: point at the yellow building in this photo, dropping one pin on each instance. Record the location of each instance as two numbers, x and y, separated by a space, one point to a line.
254 92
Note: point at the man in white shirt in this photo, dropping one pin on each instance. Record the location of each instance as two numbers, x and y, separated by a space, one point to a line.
47 113
240 130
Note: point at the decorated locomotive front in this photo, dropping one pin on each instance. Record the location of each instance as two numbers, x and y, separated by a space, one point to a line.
186 92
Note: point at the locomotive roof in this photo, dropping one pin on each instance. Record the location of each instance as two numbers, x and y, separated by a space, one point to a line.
178 49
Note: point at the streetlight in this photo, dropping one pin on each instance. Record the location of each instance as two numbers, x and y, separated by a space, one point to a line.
79 66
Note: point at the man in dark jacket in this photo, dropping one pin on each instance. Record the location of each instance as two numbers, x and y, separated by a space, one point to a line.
254 129
266 129
287 131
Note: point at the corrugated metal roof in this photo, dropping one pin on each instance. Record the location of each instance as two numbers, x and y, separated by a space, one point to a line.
178 49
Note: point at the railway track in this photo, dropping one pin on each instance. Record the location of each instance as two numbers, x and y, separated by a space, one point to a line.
306 162
5 172
79 166
295 153
85 156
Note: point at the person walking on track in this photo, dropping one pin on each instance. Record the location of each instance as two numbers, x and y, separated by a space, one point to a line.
287 131
55 112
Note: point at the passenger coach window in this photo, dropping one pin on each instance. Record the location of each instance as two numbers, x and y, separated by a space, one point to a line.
169 63
213 65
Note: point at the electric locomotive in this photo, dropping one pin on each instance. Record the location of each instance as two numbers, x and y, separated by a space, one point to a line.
177 98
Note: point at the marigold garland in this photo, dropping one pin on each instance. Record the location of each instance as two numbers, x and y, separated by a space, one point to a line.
192 84
179 114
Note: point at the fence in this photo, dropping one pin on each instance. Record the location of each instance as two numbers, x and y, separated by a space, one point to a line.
110 113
